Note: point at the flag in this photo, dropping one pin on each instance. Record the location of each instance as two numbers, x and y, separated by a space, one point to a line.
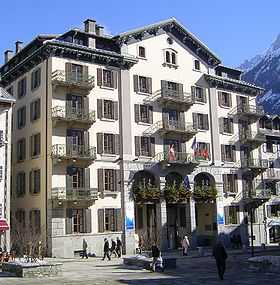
193 146
187 182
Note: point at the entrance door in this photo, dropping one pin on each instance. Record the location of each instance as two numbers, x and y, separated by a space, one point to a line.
172 226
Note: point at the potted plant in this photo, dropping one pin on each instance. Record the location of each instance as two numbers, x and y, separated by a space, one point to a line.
146 193
205 194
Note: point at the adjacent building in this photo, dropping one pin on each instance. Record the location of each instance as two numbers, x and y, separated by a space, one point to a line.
142 134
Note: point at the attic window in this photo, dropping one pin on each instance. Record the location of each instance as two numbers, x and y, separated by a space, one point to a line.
197 64
170 57
141 52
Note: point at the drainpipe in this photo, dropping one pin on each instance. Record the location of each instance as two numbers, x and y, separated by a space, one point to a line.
211 127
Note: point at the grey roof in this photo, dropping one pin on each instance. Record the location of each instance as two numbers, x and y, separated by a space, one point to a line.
5 96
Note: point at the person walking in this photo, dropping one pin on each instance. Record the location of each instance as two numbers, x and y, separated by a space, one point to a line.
155 256
85 245
106 249
220 254
185 245
119 247
113 248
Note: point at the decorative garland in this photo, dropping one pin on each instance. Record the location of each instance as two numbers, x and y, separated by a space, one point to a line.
147 193
175 194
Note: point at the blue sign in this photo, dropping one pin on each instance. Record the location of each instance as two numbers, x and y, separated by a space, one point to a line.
220 219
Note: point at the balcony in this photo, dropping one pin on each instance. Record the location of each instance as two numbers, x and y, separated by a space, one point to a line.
270 132
73 80
254 164
247 111
172 129
169 98
73 115
180 158
73 152
256 191
249 137
272 174
74 194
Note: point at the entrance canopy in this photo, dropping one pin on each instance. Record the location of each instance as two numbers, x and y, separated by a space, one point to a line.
3 225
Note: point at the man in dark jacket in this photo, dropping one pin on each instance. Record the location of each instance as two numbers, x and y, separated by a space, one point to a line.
106 249
119 247
155 256
113 248
220 255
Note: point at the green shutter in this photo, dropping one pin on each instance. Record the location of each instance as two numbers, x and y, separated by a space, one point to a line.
68 221
100 214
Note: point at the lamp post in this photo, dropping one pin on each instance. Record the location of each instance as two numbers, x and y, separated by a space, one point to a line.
251 226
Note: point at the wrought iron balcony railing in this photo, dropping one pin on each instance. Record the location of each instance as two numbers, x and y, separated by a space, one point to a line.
177 158
256 191
76 79
74 194
254 163
72 151
73 114
247 110
272 174
252 137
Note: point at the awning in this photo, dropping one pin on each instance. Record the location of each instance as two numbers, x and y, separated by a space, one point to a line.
3 225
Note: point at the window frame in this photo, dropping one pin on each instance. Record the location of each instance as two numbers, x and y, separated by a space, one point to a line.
21 117
196 61
35 79
139 53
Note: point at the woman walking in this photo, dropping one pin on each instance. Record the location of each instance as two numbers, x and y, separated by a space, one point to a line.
185 245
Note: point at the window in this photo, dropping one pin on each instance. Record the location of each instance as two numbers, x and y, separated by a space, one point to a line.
226 125
34 181
144 146
167 57
231 215
230 183
269 146
202 151
170 57
141 52
199 94
21 150
107 78
78 218
35 79
20 217
108 143
22 88
109 180
78 221
35 221
107 109
21 117
35 145
273 210
35 110
142 84
109 220
200 121
143 114
224 99
228 153
197 64
20 184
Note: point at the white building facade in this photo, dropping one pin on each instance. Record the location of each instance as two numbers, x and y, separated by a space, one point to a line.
143 133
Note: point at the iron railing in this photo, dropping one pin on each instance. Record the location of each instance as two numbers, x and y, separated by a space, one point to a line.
246 109
179 157
254 163
249 136
256 191
271 174
74 194
73 78
73 151
73 114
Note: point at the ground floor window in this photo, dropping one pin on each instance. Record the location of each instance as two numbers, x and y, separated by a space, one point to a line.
78 221
273 210
109 220
231 215
274 234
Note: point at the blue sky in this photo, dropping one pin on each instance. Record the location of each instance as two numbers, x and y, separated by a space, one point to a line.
234 30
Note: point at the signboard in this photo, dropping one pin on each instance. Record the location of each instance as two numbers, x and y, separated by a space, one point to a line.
129 216
220 214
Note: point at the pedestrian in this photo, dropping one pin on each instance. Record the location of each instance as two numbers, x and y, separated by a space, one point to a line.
140 244
155 256
85 245
119 247
220 255
106 249
185 245
113 248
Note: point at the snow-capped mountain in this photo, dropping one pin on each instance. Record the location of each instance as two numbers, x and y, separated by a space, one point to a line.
264 70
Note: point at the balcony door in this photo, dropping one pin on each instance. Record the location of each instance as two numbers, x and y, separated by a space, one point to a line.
74 104
75 177
77 141
173 119
76 72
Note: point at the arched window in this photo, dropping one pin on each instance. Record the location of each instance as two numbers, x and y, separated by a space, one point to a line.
167 56
173 58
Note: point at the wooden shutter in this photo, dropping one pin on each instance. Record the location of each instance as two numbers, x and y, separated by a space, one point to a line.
195 120
100 108
165 118
68 71
137 113
220 98
86 105
152 142
100 144
225 182
208 150
31 181
116 110
118 221
223 152
193 92
68 221
87 220
230 99
150 110
87 178
137 145
86 143
235 183
182 122
164 87
99 77
117 143
69 142
180 89
100 214
31 111
136 83
117 177
32 146
221 125
226 210
24 116
100 177
115 79
149 82
231 125
23 149
205 122
85 73
69 180
233 153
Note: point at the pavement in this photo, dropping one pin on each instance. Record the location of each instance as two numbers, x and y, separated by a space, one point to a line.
190 270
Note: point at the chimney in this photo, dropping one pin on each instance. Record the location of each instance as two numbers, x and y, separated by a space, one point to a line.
8 55
90 26
99 31
18 46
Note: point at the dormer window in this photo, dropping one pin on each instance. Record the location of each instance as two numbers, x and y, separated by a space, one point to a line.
170 57
197 64
141 52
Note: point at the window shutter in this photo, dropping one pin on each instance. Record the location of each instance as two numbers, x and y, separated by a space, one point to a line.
100 108
233 153
150 110
223 150
237 215
226 210
32 146
99 77
136 83
152 142
86 106
208 150
115 79
69 144
24 116
150 87
31 111
220 98
100 177
117 174
231 125
86 143
68 221
225 182
85 73
87 220
268 211
69 182
230 99
193 92
68 71
165 118
31 181
235 183
23 149
116 110
118 221
182 122
117 143
221 125
100 214
205 122
164 86
195 120
183 147
87 178
137 145
180 89
137 113
100 144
